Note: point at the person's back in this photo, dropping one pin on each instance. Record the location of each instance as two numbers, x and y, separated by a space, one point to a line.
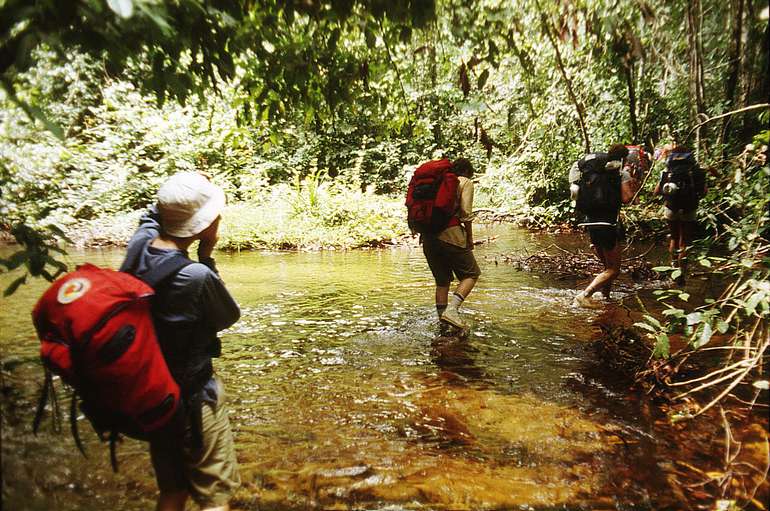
450 252
189 308
601 187
682 184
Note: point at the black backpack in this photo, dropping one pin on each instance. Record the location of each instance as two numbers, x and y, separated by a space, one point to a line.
599 192
688 179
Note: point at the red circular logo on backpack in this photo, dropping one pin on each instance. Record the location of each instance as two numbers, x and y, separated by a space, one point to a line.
72 290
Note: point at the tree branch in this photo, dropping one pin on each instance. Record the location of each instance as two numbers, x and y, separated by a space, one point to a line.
720 116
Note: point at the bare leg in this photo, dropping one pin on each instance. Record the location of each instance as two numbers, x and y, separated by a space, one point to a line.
171 501
464 288
675 228
600 254
685 236
442 295
610 273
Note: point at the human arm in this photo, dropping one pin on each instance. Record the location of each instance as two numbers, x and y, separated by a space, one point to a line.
466 210
208 240
218 310
628 187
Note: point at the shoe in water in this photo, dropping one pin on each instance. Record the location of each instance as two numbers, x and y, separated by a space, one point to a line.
452 316
583 300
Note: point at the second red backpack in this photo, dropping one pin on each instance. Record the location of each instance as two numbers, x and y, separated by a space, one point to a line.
431 198
96 332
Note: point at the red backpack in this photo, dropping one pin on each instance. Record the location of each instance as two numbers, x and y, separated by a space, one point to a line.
637 162
431 198
96 331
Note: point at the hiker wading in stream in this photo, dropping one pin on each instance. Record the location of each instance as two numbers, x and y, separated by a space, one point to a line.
599 185
682 184
440 205
189 308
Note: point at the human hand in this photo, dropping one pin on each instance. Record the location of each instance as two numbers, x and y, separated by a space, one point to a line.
208 239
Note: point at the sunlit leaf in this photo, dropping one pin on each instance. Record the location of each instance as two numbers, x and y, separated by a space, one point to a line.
694 318
483 79
123 8
704 337
645 326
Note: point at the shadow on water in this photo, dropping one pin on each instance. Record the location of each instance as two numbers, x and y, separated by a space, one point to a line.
344 395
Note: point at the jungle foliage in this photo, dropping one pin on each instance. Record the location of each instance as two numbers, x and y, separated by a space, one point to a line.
313 113
339 100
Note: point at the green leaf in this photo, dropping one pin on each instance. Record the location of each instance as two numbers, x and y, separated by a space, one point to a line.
676 273
15 285
673 312
705 335
15 260
684 296
694 318
751 303
654 322
661 346
371 38
704 262
157 18
483 79
645 326
662 269
123 8
722 326
762 384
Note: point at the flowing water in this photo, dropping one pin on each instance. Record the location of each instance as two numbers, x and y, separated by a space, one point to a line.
343 395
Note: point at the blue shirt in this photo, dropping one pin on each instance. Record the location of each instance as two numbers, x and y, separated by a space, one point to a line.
195 295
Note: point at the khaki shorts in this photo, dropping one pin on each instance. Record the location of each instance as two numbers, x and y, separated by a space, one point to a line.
445 259
210 474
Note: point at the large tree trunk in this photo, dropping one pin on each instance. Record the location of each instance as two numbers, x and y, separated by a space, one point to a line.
695 48
735 58
629 71
735 62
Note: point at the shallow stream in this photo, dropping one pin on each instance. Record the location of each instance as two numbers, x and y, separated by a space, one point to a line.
343 395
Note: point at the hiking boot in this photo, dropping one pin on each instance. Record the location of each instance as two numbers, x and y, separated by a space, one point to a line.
452 316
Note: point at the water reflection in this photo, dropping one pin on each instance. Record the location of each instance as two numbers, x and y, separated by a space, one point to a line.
453 353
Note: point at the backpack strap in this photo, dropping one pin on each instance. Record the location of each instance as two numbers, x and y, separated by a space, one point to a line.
44 394
114 437
74 423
